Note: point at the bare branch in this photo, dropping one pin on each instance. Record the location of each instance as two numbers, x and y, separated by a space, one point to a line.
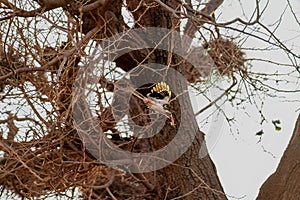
68 53
106 185
45 6
168 9
94 5
191 28
52 4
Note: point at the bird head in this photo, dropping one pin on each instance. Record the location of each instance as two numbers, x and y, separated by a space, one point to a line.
160 93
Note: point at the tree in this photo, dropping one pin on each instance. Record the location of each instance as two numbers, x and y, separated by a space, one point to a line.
284 183
47 45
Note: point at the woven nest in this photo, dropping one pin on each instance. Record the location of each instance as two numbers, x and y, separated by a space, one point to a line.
227 56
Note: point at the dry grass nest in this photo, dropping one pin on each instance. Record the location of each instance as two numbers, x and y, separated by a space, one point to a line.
227 56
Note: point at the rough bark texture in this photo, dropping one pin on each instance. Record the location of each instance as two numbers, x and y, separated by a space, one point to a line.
189 177
284 183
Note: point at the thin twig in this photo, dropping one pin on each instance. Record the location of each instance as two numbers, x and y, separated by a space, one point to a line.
217 99
55 60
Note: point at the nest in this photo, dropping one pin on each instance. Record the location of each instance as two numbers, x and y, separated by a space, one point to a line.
227 56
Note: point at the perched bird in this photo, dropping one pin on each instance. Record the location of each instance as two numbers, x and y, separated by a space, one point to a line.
158 98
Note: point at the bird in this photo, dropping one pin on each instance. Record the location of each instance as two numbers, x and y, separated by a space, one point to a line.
157 99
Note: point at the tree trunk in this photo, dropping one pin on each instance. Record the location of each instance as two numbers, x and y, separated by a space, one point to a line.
284 183
189 177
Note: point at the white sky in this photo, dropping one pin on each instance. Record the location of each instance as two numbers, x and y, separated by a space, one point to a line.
243 164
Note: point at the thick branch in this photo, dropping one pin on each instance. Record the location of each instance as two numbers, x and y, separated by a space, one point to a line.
284 183
45 6
94 5
52 4
191 28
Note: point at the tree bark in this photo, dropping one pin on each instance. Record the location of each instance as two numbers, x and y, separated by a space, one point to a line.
284 183
189 177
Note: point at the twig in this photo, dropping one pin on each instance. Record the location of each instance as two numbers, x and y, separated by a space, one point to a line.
167 8
106 185
55 60
217 99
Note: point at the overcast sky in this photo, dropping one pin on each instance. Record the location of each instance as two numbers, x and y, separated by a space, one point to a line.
244 163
